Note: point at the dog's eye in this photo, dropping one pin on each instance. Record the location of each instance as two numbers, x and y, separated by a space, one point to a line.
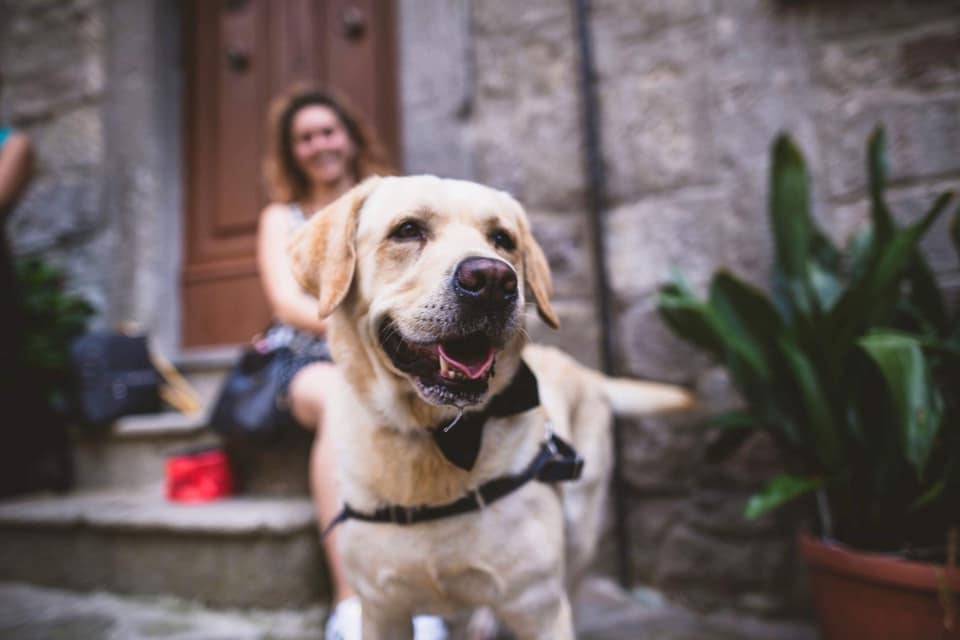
503 240
409 230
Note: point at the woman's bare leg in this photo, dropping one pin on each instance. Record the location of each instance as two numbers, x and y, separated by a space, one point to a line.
306 393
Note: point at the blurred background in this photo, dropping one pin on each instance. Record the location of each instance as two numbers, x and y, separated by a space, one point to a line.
147 119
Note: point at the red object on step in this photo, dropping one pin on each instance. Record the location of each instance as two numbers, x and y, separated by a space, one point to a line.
199 477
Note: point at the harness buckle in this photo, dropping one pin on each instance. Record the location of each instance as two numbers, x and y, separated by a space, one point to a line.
577 468
549 442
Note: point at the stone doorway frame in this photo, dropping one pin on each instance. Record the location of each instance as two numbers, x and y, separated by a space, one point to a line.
142 116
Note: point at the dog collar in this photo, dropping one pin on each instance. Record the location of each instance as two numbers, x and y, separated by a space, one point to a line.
461 444
556 461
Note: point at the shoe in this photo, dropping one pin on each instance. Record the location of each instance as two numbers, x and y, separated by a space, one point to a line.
429 628
345 623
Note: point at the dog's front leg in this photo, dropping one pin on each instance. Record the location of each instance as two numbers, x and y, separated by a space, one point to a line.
551 622
381 625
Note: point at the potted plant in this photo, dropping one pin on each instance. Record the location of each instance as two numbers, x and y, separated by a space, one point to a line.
852 365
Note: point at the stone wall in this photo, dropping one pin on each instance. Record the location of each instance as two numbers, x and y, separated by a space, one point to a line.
692 94
96 86
52 57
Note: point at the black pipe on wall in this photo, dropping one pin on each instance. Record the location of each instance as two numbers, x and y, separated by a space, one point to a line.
596 204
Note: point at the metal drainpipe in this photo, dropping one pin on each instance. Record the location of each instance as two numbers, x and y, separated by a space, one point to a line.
596 202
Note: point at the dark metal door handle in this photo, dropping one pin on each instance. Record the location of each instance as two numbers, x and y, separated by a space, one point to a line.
238 61
354 23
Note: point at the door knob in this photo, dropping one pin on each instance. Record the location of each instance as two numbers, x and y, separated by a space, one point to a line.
238 61
354 23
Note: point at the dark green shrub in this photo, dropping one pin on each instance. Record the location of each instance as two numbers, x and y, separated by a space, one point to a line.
52 318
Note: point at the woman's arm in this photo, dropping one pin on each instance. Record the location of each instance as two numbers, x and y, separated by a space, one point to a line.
289 303
16 164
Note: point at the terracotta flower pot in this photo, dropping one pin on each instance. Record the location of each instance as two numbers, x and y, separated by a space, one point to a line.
867 595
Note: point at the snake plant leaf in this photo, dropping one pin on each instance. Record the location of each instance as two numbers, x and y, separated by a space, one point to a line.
736 420
690 318
811 398
933 493
877 172
858 254
925 302
870 300
780 491
955 231
903 366
750 324
826 285
735 428
792 227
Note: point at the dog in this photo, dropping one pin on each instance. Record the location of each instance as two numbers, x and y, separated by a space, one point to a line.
424 281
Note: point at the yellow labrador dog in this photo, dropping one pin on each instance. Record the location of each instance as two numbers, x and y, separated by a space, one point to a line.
425 281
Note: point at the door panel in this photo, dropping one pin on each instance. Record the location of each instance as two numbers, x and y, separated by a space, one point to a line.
238 54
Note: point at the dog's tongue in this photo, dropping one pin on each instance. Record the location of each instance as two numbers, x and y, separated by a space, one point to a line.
471 369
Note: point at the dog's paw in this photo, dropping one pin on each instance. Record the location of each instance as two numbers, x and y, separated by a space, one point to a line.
483 625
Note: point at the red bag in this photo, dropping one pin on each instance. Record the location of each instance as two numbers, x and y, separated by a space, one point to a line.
199 477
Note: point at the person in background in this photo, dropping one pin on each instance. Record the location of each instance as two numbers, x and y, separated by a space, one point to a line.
16 168
318 149
33 456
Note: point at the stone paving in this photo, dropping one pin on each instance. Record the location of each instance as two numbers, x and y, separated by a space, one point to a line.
604 612
31 613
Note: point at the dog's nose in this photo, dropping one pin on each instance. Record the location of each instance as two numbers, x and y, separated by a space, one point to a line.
487 281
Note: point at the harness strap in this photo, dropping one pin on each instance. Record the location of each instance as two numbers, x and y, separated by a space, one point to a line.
556 461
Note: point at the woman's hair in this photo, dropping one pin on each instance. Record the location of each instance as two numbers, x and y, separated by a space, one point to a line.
286 182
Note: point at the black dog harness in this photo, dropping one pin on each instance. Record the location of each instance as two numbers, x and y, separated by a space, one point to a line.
556 460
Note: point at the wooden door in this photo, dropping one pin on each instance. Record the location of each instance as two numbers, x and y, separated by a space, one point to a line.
238 54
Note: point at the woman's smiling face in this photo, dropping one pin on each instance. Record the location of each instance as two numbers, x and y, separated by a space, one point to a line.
321 145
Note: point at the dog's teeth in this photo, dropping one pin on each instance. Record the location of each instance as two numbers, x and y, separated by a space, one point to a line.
444 368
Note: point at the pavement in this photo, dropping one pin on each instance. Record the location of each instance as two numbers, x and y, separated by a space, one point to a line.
605 612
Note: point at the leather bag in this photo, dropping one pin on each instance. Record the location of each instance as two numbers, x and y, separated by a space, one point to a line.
251 406
115 377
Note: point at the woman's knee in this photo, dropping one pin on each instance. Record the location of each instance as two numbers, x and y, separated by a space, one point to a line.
306 393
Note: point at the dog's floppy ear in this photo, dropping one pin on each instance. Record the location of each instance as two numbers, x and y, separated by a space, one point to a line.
537 272
323 254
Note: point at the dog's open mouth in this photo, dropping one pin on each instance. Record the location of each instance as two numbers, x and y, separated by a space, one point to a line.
452 370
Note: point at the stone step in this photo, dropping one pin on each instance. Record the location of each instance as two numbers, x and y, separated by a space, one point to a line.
205 368
134 451
239 552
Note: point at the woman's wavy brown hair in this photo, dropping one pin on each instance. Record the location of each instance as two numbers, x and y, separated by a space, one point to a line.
286 182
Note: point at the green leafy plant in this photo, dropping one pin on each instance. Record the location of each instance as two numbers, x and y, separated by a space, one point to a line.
52 318
851 363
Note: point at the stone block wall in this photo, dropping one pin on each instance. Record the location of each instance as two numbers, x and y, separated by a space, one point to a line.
52 56
97 87
692 94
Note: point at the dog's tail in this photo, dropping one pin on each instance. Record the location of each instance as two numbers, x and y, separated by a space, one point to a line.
626 397
639 398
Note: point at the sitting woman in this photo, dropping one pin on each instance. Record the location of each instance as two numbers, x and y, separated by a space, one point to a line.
319 149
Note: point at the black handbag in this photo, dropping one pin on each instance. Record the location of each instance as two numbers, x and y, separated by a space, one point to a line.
251 406
114 377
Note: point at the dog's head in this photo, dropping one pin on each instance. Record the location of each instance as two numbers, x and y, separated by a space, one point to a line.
433 275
